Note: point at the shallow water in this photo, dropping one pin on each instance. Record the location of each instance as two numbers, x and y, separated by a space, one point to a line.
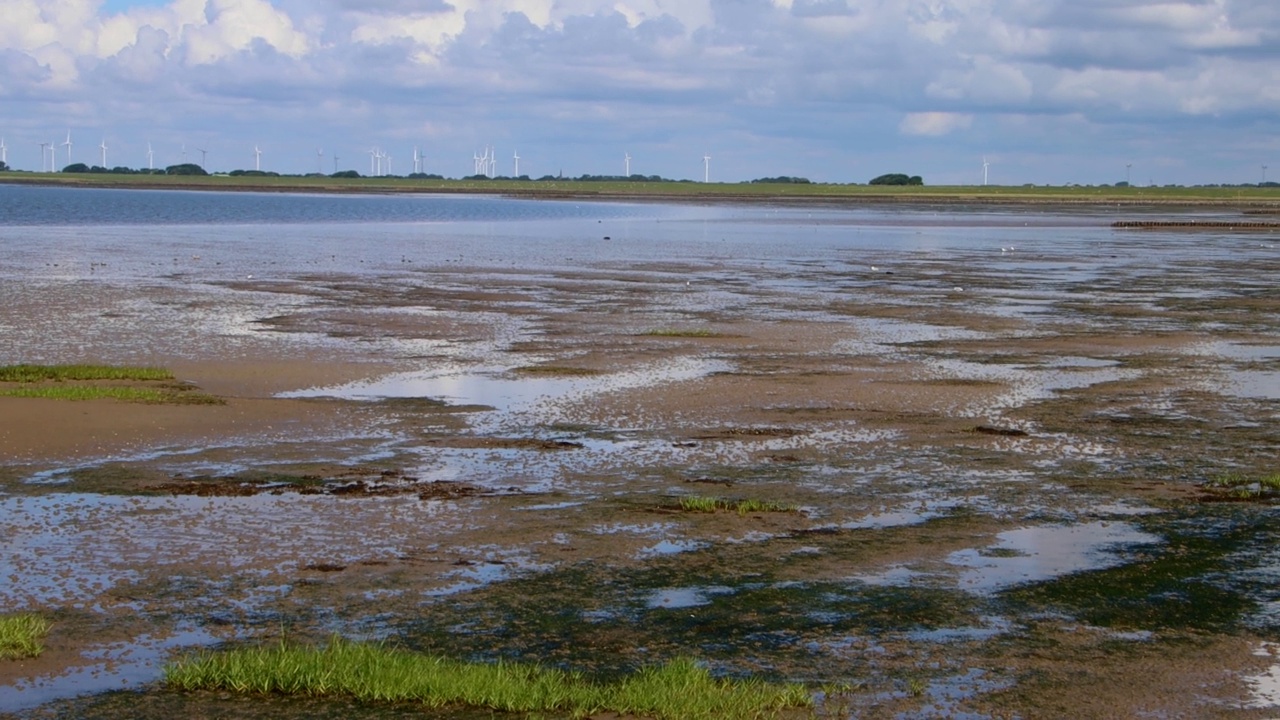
911 508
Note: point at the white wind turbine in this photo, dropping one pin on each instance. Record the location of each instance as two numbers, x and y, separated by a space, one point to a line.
53 157
42 147
4 152
985 166
373 159
151 158
417 161
204 155
706 168
68 145
320 160
517 159
626 164
257 159
103 148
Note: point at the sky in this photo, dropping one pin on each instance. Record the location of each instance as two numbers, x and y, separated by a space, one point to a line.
1043 91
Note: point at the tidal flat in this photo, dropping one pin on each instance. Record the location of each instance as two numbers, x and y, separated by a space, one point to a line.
926 463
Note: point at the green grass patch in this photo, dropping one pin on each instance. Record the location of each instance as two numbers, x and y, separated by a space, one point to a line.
742 507
22 636
367 672
682 333
45 373
158 396
1238 486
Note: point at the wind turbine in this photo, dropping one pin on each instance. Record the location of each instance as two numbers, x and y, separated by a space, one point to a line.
373 159
1128 174
204 154
706 168
626 164
417 161
1264 167
151 156
985 165
257 159
517 157
53 156
103 148
42 147
335 164
68 144
4 152
320 160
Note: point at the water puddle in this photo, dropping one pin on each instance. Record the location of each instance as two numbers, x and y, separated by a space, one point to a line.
685 597
493 388
1265 688
70 548
1037 554
118 666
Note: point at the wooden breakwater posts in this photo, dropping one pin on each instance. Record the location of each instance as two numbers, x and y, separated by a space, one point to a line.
1237 225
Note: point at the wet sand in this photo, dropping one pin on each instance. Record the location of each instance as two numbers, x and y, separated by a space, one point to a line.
993 464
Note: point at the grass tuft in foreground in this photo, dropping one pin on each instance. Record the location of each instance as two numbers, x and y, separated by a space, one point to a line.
44 373
375 673
742 507
22 636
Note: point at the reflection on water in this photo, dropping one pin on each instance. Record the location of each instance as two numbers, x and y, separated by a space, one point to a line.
118 666
1043 553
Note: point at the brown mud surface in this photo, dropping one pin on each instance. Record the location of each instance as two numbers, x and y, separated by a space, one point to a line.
998 473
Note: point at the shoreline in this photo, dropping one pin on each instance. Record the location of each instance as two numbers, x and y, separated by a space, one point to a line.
815 195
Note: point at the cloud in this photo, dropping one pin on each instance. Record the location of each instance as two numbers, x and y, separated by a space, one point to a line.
770 73
934 124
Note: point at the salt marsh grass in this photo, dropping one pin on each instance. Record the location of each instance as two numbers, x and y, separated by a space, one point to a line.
375 673
99 392
45 373
22 636
742 507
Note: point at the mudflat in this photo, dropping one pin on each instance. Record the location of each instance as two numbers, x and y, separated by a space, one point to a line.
984 478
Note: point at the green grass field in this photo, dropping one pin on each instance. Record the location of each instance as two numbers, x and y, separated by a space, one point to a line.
679 690
676 190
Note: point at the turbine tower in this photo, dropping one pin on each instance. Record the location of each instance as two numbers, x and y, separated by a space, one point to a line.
517 158
626 164
257 159
373 160
417 161
706 168
320 160
103 148
68 145
151 157
335 164
985 165
204 154
4 152
42 147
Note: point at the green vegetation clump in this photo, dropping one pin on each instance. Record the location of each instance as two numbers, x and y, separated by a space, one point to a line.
169 396
682 333
22 636
58 382
1236 486
375 673
41 373
742 507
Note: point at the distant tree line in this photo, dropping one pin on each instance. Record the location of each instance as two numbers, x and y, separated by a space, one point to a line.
782 180
897 179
